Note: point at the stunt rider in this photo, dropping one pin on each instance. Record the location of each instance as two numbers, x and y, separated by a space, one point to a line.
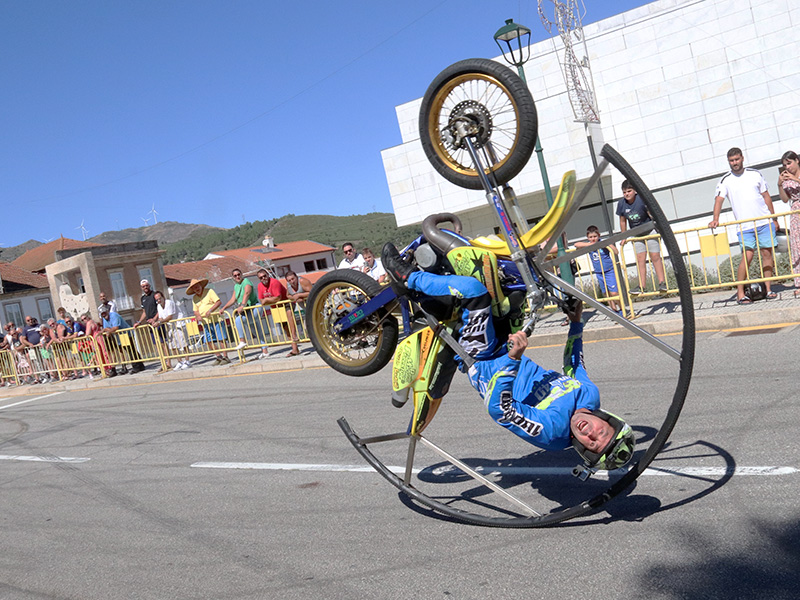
545 408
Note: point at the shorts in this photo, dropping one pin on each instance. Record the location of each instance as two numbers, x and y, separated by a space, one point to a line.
652 245
763 237
607 282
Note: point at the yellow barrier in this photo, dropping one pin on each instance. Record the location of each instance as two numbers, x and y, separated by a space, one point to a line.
265 326
8 367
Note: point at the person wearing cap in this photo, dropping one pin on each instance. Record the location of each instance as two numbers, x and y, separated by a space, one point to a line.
112 323
206 304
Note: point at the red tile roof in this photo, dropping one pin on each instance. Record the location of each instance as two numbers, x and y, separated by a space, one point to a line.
36 259
281 252
213 269
12 274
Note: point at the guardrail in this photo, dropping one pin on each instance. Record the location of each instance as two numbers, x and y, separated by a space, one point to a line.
177 340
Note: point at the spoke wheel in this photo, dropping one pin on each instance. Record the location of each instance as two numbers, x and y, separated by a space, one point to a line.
497 108
362 349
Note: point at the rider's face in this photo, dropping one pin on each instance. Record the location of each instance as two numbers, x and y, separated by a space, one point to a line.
590 430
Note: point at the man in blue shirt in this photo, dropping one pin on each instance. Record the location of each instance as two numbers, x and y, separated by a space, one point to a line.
112 323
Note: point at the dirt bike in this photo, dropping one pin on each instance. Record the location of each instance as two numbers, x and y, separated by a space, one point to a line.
478 127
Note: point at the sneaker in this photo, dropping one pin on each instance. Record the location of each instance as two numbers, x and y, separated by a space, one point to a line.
393 263
177 367
262 355
182 366
225 360
662 287
186 364
636 291
241 345
217 362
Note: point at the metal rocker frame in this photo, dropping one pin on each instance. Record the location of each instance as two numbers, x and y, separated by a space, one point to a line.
541 284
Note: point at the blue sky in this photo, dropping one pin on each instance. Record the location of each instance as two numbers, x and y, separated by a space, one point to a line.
218 112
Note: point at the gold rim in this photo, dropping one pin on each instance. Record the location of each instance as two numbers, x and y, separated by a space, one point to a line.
345 351
490 91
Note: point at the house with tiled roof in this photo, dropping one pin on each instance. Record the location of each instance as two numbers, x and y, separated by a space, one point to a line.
37 259
301 257
306 258
23 293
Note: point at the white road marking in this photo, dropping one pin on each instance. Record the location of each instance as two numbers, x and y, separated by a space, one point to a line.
296 467
448 469
30 400
56 459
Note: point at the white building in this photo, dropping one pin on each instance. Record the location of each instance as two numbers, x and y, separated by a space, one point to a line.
678 83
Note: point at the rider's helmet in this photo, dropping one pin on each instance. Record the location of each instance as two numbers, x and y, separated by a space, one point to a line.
617 452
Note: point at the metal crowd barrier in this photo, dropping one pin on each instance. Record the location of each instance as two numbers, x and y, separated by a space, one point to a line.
264 326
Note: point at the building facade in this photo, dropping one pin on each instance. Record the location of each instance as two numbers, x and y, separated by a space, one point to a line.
678 83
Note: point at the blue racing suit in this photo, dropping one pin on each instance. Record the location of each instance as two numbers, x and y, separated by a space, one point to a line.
535 403
450 296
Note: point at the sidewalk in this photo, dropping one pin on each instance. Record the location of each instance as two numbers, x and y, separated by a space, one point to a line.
657 315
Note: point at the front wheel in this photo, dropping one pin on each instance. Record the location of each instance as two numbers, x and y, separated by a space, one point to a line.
363 349
495 107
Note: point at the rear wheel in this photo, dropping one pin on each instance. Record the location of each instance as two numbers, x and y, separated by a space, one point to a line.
362 349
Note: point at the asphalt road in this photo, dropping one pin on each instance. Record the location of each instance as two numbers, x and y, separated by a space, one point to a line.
201 489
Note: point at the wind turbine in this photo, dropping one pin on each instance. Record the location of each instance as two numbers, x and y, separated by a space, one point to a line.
146 221
154 213
83 229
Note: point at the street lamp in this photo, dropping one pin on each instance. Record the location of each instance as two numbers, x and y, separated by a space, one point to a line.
517 41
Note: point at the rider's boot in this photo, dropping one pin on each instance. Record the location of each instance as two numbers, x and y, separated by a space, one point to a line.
395 266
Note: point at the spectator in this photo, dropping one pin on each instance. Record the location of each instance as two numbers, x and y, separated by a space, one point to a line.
271 292
97 352
372 266
19 352
109 305
632 212
244 294
789 190
351 260
30 336
747 192
602 265
46 351
206 304
297 289
112 324
168 332
62 315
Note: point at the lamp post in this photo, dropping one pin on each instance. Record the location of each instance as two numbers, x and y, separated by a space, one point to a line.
517 41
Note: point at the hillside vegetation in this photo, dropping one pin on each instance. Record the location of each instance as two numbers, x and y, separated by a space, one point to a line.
369 230
166 232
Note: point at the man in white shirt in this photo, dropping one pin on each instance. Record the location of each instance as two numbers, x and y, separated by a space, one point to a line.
372 266
747 192
351 260
169 332
106 304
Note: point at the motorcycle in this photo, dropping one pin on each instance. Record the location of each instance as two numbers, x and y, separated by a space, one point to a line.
478 127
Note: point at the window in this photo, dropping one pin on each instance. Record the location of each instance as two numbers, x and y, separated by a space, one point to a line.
145 272
120 294
322 263
13 312
281 271
45 309
308 266
80 284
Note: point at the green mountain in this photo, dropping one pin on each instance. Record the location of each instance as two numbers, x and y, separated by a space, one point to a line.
370 230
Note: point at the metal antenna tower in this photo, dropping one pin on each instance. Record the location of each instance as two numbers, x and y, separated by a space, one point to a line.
577 74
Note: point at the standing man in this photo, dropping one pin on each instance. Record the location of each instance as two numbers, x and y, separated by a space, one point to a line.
113 323
106 304
632 212
149 305
351 260
244 294
372 266
271 291
747 192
